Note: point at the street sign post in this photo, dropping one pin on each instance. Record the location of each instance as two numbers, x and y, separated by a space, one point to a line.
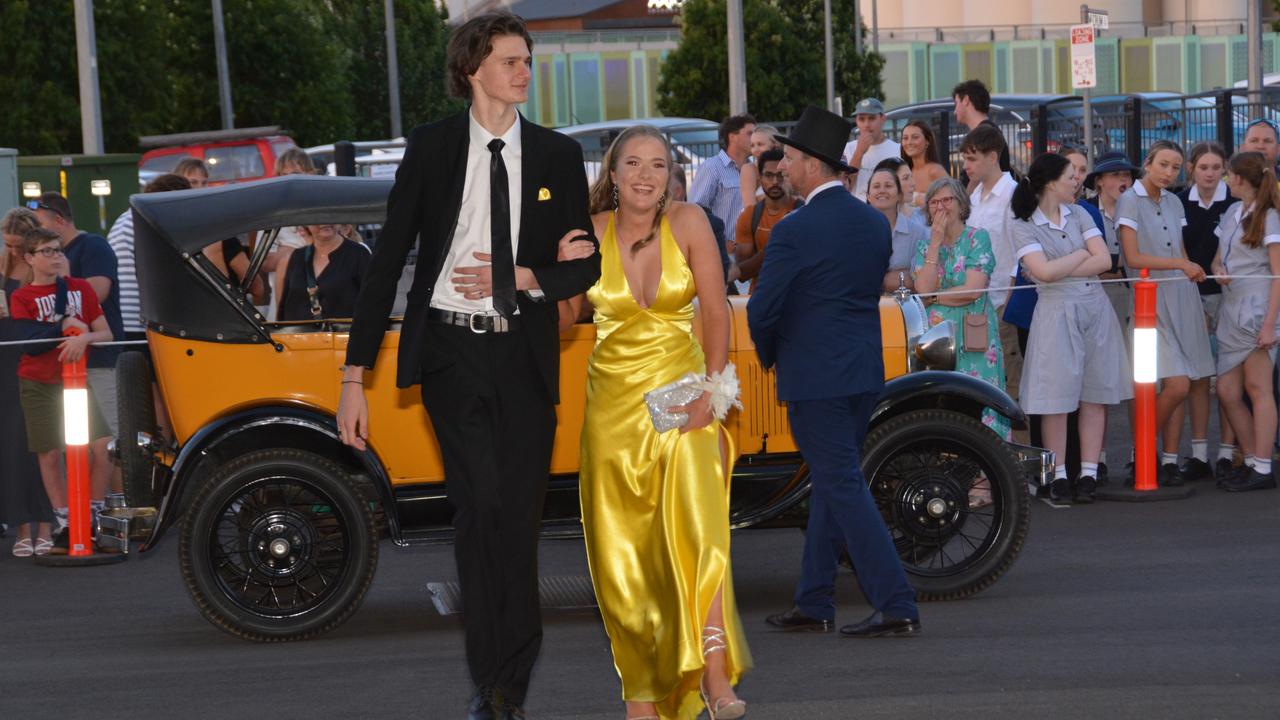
1084 66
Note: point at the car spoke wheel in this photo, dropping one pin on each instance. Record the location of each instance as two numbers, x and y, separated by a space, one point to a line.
953 498
279 545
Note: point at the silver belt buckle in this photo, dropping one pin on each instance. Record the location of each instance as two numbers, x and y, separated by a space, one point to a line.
471 322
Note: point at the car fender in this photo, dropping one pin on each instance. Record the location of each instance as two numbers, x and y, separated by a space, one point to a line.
295 423
945 390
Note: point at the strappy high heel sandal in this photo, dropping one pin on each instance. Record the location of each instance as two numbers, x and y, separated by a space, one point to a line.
721 708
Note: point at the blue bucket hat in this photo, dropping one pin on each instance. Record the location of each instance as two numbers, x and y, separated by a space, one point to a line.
1111 162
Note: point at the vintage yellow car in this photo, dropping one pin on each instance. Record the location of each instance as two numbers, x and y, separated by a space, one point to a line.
280 523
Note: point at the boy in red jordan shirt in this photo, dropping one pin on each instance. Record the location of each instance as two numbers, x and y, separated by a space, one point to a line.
50 305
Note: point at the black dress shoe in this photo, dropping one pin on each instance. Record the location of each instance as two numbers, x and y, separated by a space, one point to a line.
1060 491
486 704
1084 489
1168 476
1253 480
1103 477
1195 469
1224 471
795 621
881 625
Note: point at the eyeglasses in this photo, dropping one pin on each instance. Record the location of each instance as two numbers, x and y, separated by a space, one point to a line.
49 252
939 202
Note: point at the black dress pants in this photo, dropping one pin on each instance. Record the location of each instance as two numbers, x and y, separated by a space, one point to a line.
495 423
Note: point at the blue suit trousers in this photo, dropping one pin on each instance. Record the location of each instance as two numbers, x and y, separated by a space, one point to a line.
842 513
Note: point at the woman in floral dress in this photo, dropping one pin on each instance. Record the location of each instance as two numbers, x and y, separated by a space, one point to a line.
957 257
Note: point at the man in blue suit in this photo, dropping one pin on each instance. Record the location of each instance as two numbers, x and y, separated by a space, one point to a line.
814 315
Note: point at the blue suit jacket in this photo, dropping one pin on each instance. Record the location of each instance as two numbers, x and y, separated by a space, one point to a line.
815 309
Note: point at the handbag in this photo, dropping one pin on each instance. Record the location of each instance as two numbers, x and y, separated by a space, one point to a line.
660 401
976 328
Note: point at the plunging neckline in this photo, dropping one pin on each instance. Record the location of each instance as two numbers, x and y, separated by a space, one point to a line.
626 278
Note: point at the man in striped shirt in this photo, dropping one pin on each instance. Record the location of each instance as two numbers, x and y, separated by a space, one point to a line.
121 240
717 183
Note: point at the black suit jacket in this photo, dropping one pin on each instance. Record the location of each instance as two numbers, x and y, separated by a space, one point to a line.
425 203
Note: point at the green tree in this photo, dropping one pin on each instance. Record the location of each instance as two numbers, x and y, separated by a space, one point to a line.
784 60
421 36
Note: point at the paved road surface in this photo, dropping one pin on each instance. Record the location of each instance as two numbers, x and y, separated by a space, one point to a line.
1113 611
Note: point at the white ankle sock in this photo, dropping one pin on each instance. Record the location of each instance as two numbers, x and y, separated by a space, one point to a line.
1169 458
1102 457
1089 470
1262 466
1200 450
1059 472
1226 452
1250 461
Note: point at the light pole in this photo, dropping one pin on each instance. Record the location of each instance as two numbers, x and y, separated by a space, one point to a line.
87 60
737 61
224 75
826 36
1255 50
393 69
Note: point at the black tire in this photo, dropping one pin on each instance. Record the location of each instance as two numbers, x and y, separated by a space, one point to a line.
278 545
923 468
137 413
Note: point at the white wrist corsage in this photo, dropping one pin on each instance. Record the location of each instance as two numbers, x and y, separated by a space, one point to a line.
724 389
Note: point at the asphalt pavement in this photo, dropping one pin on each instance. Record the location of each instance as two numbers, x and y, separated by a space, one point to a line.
1165 610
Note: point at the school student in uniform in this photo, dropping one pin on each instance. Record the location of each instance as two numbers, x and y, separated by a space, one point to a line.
1075 355
1149 220
1249 244
1204 199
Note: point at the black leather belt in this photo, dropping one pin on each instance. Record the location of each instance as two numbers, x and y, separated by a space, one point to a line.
476 322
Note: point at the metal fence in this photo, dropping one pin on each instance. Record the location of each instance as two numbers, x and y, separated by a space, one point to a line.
1123 123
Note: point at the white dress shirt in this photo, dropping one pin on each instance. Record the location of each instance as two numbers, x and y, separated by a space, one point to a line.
991 212
473 233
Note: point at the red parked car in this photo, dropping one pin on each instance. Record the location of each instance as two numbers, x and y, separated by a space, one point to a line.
231 155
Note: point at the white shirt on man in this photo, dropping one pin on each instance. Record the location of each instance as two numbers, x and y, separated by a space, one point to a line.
989 210
473 233
882 150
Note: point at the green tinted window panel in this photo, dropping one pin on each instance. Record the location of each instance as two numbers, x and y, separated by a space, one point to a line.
920 73
1213 62
1002 68
895 78
546 93
655 68
1193 66
1046 68
588 103
1167 69
1239 59
1063 68
1024 70
639 84
563 116
1136 65
1107 54
617 87
1268 53
945 65
977 63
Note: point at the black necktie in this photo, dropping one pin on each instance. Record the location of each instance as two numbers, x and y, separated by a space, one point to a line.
504 266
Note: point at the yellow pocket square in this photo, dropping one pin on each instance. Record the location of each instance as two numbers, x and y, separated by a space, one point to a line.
543 194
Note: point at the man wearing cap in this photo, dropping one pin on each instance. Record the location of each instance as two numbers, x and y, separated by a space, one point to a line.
872 145
815 315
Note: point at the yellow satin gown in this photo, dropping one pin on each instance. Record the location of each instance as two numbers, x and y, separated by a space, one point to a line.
655 508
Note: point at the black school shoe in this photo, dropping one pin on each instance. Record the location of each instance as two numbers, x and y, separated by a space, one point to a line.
1060 491
1224 471
1252 480
1084 489
1169 476
1103 477
1195 469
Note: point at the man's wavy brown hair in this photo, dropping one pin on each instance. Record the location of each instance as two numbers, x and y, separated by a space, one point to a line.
472 42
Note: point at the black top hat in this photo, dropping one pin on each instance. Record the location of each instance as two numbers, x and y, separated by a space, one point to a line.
1110 162
821 134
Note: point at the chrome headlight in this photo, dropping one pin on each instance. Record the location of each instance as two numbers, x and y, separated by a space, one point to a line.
935 349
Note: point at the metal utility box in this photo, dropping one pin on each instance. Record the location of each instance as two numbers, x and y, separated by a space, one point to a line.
79 178
8 178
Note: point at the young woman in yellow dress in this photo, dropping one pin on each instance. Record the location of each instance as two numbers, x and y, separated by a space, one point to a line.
655 506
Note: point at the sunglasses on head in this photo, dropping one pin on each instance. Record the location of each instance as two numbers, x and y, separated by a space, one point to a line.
1264 121
37 205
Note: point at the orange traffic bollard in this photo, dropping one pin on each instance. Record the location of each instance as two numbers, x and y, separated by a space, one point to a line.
1145 351
75 420
1146 348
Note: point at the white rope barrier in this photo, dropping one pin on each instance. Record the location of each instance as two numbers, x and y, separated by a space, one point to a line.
1063 283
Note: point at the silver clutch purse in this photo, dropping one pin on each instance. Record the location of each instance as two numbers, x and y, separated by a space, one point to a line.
681 392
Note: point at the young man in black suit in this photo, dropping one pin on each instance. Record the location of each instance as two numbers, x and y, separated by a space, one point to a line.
491 198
